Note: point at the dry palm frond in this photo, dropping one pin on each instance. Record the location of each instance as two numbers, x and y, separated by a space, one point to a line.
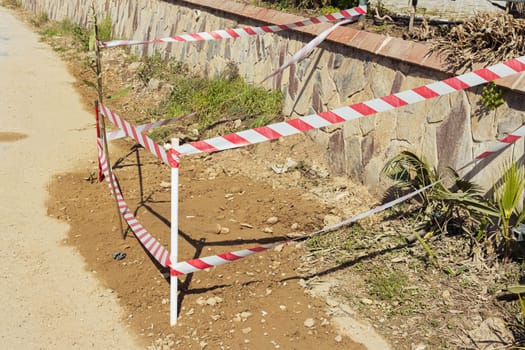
486 38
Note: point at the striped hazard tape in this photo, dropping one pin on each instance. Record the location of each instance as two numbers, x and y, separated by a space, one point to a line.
195 265
241 32
355 111
299 55
499 146
169 157
117 134
154 247
191 266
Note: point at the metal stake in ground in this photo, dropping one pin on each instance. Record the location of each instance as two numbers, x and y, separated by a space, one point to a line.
102 122
174 280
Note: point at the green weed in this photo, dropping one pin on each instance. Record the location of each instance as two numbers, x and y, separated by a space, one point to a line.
105 31
325 6
119 94
160 135
388 285
508 197
491 96
225 98
40 19
155 67
11 4
66 28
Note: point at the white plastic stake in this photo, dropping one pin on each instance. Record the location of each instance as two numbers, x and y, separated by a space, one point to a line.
174 247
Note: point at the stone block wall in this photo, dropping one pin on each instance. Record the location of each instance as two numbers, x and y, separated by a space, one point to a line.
352 66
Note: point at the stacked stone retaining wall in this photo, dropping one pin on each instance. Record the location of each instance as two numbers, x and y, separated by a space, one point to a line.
352 66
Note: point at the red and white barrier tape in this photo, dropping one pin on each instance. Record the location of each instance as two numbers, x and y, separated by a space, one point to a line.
117 134
309 47
354 111
500 145
195 265
153 246
169 157
240 32
191 266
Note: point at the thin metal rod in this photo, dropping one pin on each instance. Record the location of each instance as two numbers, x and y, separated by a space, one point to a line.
174 247
102 122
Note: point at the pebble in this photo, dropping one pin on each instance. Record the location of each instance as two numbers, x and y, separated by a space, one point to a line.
330 220
279 248
221 230
214 301
267 230
164 184
366 301
399 259
246 330
272 220
332 302
282 307
309 322
245 314
235 189
295 226
338 338
245 225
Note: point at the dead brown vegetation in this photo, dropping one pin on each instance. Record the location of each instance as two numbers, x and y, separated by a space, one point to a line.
486 39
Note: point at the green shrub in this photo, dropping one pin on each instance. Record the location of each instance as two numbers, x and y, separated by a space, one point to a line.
12 4
491 96
40 19
223 98
316 4
508 196
105 29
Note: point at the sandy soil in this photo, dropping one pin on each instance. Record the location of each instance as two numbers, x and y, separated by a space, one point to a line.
266 288
49 301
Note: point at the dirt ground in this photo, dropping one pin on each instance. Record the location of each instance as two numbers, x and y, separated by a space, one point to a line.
255 303
302 295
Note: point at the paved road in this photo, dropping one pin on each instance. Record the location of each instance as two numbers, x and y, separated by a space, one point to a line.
48 300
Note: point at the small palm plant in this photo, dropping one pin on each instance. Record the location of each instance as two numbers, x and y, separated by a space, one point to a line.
508 194
462 201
